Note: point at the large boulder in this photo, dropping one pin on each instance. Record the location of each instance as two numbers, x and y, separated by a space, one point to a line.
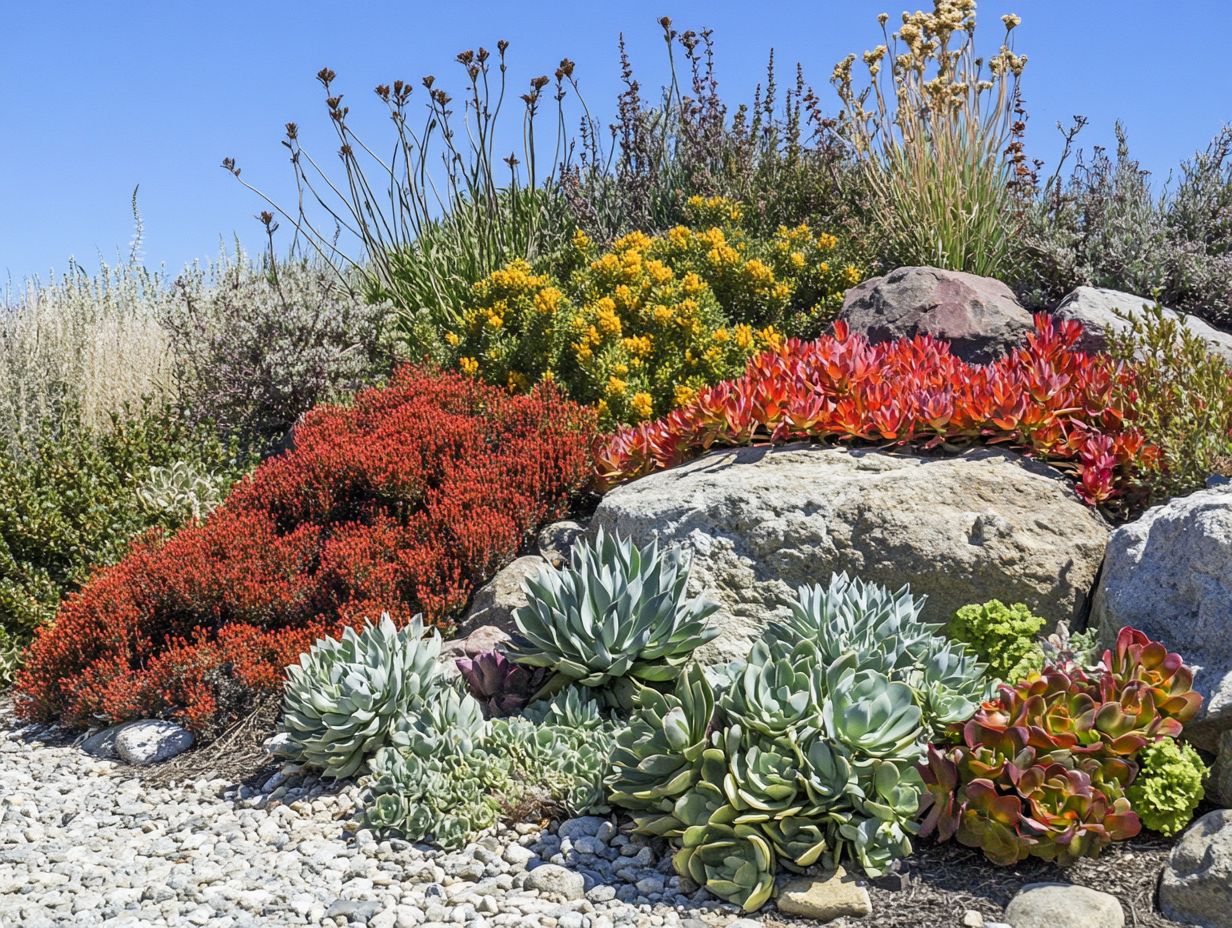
762 522
1170 574
1196 886
1097 307
495 602
979 316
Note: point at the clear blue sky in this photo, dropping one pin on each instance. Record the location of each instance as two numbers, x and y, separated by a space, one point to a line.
100 97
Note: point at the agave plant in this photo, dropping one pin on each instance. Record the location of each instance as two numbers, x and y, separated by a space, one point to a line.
502 686
616 611
341 703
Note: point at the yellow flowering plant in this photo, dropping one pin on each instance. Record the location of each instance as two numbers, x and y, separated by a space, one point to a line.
637 328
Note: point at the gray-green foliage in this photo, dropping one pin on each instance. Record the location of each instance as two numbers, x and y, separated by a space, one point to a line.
884 631
343 701
265 343
807 752
617 613
183 490
450 774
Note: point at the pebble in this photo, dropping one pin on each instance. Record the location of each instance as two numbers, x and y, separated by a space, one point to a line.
88 844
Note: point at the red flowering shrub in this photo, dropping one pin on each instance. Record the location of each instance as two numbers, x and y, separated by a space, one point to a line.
1046 399
1042 770
402 502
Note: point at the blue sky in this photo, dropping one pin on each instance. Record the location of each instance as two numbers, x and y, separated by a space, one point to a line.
100 97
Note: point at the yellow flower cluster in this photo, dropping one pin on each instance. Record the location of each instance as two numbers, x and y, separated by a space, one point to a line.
637 329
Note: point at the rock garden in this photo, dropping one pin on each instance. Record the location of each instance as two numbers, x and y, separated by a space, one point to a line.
719 561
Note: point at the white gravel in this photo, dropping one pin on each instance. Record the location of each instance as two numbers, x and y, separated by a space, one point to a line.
84 842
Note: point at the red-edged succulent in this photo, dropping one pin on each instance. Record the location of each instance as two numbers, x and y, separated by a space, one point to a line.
1042 769
1047 399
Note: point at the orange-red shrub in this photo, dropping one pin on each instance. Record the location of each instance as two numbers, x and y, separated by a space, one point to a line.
403 502
1046 399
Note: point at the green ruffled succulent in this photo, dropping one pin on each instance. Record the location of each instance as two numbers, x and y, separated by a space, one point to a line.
343 700
884 632
657 756
1168 787
617 613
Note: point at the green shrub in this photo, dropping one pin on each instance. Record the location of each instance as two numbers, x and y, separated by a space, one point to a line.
1168 787
1003 636
75 503
1181 399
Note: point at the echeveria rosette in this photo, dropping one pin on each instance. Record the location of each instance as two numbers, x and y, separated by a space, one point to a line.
779 692
735 862
504 687
617 613
658 753
343 699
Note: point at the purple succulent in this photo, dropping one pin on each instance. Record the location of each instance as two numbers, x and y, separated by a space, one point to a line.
502 686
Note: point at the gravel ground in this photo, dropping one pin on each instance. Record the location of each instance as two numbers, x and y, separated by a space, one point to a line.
86 842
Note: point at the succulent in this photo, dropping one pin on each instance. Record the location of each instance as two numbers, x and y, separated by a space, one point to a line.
1135 659
502 686
1168 787
1003 636
10 658
616 611
448 721
572 707
779 692
183 490
342 701
884 632
1048 768
554 764
658 754
735 862
871 715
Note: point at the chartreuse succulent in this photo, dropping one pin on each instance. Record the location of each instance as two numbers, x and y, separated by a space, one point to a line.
884 632
616 615
1003 636
343 700
1168 787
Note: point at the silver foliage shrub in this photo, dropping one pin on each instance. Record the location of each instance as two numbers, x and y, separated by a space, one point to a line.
267 342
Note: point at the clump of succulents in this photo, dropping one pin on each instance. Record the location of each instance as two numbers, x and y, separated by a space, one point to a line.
616 615
502 686
809 751
1047 768
1003 636
344 699
1169 786
884 631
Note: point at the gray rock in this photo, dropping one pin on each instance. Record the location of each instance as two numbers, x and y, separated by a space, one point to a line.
151 741
826 897
1096 308
1062 905
556 540
494 602
979 316
279 745
554 879
583 825
1169 574
103 743
762 522
1219 787
1196 887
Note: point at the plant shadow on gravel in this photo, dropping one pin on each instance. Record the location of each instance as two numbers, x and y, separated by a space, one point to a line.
946 880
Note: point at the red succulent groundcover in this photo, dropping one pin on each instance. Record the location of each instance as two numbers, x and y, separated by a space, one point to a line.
1046 399
403 502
